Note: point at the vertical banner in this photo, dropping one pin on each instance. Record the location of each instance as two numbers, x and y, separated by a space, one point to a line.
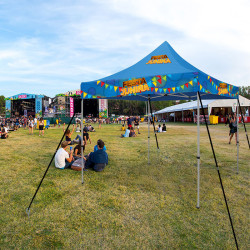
25 113
7 108
103 108
71 107
39 107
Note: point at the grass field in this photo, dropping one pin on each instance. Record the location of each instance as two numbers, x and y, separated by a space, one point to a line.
131 205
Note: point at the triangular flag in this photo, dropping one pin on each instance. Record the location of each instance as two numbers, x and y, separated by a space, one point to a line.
164 90
106 85
173 89
169 89
208 77
216 87
191 83
98 82
102 83
120 89
115 88
89 96
84 94
160 90
164 78
154 79
156 89
186 84
94 96
155 83
152 89
198 83
200 87
111 87
159 80
178 88
182 86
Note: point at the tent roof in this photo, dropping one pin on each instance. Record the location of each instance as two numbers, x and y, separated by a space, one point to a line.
222 103
162 75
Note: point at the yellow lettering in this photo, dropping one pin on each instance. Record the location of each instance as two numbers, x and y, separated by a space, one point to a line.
146 88
123 91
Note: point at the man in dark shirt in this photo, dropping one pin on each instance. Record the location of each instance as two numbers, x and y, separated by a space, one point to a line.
129 121
98 159
137 120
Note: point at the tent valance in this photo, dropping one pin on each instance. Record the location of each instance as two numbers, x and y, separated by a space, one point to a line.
162 75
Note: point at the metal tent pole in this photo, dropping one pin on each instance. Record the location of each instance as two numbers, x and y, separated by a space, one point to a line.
82 137
198 152
28 209
237 133
242 118
148 133
218 171
153 123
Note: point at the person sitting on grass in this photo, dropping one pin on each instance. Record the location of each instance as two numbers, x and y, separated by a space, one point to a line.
164 128
86 136
97 160
123 128
132 132
96 146
78 151
4 134
63 159
127 131
159 128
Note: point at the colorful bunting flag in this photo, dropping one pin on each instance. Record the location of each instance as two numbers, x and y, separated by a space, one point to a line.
98 82
164 90
106 85
200 87
191 83
182 86
154 79
155 83
169 90
164 78
152 89
160 90
159 80
102 83
84 94
173 89
120 89
186 84
115 88
89 96
156 89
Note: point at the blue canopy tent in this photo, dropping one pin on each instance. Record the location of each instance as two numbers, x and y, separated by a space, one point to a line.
163 75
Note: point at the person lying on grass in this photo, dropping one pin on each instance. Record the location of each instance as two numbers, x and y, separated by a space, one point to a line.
63 159
97 160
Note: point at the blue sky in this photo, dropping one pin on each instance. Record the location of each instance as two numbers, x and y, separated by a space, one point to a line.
51 46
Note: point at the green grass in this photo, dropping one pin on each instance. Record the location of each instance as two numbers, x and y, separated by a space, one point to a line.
131 204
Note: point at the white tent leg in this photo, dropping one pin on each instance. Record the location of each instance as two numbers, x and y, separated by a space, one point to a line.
148 134
82 136
237 110
198 152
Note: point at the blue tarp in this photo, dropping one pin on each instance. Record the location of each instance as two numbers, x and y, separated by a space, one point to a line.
162 75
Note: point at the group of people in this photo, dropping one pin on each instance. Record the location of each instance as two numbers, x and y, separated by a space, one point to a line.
97 160
162 128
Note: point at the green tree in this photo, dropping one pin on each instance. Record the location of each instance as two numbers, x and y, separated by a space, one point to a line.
245 91
2 104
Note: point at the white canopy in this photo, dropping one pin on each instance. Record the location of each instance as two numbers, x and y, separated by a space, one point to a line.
223 103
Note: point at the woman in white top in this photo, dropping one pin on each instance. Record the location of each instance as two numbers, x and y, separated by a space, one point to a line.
31 126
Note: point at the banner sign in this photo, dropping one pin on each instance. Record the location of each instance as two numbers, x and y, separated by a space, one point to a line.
7 108
38 108
103 108
78 92
25 112
22 96
71 106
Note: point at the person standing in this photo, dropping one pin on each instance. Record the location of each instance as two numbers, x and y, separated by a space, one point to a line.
41 127
31 125
137 121
233 128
